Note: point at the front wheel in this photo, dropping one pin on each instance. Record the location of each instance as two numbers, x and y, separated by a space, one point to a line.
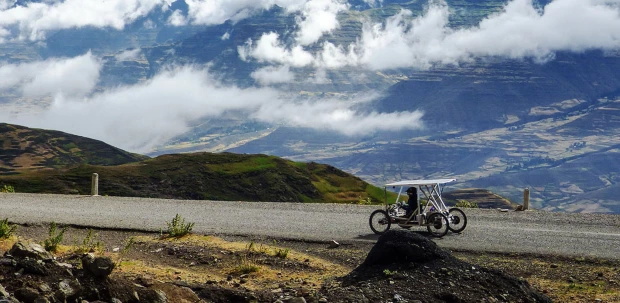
438 225
380 221
458 220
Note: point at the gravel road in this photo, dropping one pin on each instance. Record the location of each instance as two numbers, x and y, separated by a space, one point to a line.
587 235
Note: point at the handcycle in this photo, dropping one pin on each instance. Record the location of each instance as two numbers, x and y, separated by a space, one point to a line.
435 215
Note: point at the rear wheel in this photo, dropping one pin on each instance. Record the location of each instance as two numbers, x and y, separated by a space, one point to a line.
379 221
438 225
458 220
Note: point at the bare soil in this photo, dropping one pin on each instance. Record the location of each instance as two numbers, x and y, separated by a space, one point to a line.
226 269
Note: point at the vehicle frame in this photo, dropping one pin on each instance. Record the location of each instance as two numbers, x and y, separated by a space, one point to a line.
435 215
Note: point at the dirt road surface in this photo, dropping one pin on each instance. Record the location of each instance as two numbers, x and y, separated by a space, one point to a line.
585 235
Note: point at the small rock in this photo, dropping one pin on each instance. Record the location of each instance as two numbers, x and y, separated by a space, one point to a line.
116 249
100 267
398 298
333 244
554 265
296 300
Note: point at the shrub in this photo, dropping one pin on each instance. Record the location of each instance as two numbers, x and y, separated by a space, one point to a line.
362 201
124 250
54 238
7 189
6 229
90 244
281 253
178 228
466 204
247 262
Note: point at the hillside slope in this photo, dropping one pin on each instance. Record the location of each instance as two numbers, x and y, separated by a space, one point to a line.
26 148
206 176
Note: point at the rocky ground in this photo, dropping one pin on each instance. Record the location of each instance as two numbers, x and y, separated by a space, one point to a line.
400 267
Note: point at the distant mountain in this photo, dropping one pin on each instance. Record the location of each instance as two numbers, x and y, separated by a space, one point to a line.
495 93
25 149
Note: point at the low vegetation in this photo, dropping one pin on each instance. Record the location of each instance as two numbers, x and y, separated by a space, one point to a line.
177 228
6 229
90 243
466 204
54 237
7 189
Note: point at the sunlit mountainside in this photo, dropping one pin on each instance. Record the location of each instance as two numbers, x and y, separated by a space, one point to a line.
499 94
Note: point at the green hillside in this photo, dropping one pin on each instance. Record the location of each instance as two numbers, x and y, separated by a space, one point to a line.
205 176
24 149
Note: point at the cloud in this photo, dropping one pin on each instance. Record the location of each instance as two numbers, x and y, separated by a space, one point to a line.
270 49
520 30
128 55
337 115
35 19
317 18
210 12
142 116
273 75
74 77
177 18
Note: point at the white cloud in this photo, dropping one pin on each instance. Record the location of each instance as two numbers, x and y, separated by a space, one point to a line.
318 17
74 77
177 18
35 19
129 55
337 115
273 75
211 12
520 30
142 116
269 49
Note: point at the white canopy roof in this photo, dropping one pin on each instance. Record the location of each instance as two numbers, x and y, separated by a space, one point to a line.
420 182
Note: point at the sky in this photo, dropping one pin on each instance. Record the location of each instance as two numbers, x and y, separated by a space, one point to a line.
145 115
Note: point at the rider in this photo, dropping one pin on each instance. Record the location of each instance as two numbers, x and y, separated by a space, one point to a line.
412 202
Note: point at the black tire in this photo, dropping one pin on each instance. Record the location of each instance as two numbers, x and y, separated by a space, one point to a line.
438 225
379 221
458 220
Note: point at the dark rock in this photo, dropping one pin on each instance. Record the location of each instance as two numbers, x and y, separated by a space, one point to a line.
27 295
398 247
30 250
32 266
100 267
67 289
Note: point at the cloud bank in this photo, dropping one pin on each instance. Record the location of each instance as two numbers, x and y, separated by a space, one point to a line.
73 77
143 116
520 30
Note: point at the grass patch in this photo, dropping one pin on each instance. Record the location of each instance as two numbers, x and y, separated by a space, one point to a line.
90 243
177 228
54 237
7 189
6 229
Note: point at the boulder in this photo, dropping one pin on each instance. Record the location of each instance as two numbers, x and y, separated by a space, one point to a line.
398 247
27 295
30 250
32 266
174 293
100 267
67 289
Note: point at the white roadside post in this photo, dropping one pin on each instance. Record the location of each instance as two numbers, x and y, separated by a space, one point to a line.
526 199
94 189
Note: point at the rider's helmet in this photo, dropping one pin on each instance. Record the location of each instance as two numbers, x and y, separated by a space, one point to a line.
411 191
